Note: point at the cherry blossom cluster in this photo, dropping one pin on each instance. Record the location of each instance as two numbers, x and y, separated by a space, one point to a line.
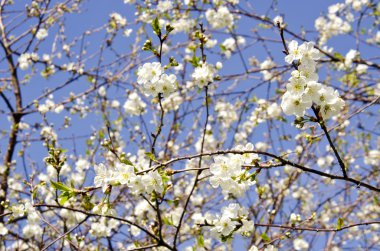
42 34
154 81
26 60
303 89
172 102
203 74
263 111
116 21
230 45
134 105
226 113
228 173
339 19
50 106
233 219
125 175
220 18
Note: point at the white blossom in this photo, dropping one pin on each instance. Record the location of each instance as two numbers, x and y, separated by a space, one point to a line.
220 18
300 244
203 75
41 34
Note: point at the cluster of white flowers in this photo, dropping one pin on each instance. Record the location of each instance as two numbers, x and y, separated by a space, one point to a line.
127 32
300 244
227 171
164 6
267 72
50 106
183 25
154 81
42 34
125 175
302 193
26 60
325 161
233 219
303 88
106 176
72 218
336 22
357 5
116 21
210 143
79 105
104 227
349 59
172 102
134 105
264 110
140 210
203 74
3 230
295 218
220 18
210 43
278 20
372 158
32 228
260 114
375 39
267 248
74 67
226 113
18 210
229 45
47 132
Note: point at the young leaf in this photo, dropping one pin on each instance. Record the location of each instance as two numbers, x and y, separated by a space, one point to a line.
65 196
200 241
340 223
125 160
150 156
156 27
60 186
265 237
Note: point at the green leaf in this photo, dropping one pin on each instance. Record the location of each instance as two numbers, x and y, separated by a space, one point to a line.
376 200
340 223
200 241
90 79
195 61
265 237
65 196
125 160
60 186
165 178
34 194
339 56
156 27
150 156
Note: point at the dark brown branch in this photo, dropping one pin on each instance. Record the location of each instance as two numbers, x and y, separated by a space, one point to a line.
323 126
